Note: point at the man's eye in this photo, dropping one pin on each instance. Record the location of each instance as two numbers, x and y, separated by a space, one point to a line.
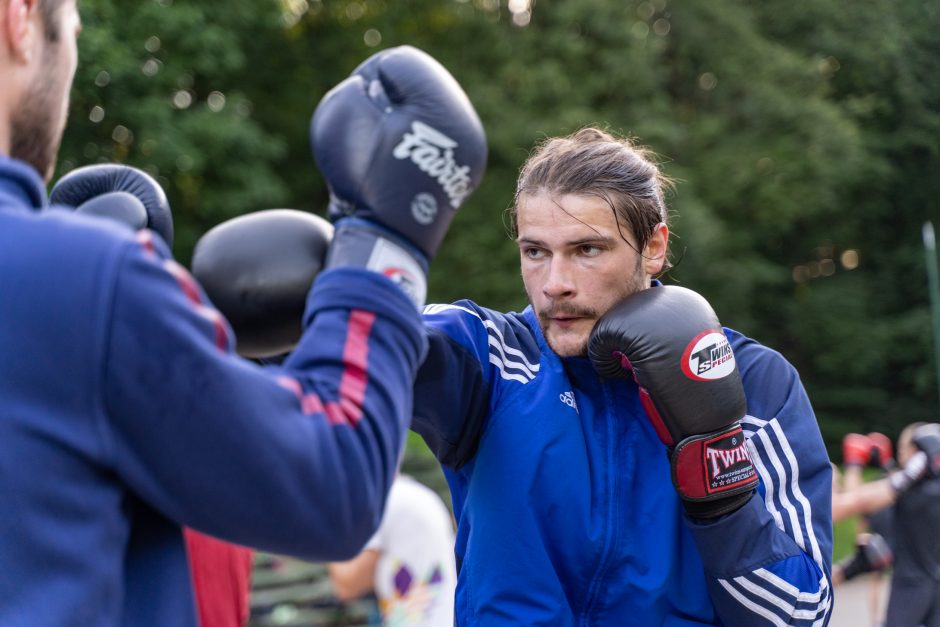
533 253
590 251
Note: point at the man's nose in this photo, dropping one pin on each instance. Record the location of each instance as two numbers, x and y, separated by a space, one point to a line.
560 282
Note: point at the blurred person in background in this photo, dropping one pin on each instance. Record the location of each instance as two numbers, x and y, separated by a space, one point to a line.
915 582
873 554
905 505
409 563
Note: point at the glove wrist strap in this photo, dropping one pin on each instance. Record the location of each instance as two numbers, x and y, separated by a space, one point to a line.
713 472
362 244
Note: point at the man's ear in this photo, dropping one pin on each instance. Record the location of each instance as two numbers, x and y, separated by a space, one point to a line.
20 28
654 253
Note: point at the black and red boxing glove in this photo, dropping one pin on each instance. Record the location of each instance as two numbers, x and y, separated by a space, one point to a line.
670 341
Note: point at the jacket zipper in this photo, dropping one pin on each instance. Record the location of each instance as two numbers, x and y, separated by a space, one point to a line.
594 590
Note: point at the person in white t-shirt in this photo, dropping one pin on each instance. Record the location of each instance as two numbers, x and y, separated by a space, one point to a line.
409 562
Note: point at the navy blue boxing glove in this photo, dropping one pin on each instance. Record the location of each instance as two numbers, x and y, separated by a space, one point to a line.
257 270
119 192
401 149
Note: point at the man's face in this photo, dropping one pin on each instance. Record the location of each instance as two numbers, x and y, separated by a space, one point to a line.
576 264
37 124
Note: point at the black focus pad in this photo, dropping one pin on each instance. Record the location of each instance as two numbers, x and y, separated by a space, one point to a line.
84 185
257 269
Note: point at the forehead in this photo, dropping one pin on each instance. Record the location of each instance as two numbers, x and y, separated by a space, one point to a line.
540 215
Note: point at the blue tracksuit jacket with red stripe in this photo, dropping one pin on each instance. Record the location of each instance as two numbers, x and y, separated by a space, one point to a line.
124 414
562 492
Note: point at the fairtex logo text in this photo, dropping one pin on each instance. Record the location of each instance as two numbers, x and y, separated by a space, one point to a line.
433 153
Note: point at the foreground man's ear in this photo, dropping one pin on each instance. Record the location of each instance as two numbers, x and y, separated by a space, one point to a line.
654 253
20 27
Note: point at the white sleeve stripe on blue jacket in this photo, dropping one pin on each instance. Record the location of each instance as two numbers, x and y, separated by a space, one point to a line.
502 355
763 592
793 591
781 614
791 608
509 376
803 607
767 432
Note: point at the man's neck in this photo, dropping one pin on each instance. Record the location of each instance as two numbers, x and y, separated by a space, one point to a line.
4 131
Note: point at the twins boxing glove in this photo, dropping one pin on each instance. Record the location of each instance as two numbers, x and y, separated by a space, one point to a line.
257 270
120 192
401 149
671 343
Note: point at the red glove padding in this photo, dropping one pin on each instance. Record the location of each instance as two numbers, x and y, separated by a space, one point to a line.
856 449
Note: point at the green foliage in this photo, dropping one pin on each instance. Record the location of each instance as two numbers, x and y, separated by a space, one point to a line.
798 132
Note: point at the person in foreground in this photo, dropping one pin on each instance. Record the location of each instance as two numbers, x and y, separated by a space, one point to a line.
124 412
570 510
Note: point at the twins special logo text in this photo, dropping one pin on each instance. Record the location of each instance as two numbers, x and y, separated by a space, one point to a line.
708 357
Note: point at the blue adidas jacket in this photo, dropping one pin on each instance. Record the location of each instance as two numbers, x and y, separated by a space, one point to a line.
562 493
124 414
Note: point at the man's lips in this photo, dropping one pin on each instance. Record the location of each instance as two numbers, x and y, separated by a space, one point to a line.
566 321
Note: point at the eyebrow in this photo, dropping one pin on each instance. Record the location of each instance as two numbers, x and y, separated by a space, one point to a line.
583 241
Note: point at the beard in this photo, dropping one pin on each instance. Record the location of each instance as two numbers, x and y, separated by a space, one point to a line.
577 346
36 125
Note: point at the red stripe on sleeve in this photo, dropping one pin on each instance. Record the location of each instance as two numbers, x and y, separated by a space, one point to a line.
190 288
145 239
185 279
352 387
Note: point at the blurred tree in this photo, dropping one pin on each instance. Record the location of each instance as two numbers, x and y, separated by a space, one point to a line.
864 337
161 86
803 135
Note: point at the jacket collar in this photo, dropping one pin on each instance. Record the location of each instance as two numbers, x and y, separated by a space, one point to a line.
21 185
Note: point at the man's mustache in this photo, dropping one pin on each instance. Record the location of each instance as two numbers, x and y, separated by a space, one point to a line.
567 311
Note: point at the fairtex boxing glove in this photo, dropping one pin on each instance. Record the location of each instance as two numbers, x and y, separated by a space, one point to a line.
120 192
856 449
257 269
401 149
669 341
